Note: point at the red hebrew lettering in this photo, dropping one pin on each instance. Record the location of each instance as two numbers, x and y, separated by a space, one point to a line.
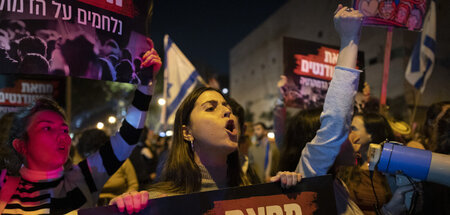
319 66
303 203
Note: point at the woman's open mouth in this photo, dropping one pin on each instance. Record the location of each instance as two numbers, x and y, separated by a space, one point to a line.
231 130
62 147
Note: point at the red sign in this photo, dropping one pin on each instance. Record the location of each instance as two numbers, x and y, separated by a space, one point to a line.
309 68
124 7
25 92
302 203
319 66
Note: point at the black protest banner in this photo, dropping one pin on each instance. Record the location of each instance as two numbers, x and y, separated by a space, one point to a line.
309 68
94 39
310 196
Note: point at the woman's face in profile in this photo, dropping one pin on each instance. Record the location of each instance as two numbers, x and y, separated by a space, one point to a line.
213 125
358 134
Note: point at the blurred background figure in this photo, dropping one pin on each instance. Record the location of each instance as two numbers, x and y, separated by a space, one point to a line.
244 141
434 114
263 156
436 197
145 159
301 129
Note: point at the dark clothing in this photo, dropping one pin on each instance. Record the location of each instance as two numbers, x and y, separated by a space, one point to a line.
144 165
436 199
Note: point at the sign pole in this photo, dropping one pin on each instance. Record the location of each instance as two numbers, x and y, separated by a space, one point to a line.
387 62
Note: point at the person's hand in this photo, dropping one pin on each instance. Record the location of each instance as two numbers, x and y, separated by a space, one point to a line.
287 179
347 22
282 81
281 84
133 201
150 61
397 203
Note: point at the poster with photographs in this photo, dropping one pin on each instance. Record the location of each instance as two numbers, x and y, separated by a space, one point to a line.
309 68
93 39
311 196
397 13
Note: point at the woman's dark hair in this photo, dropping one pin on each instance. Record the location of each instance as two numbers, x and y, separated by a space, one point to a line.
301 129
239 112
180 173
20 124
430 120
440 141
377 126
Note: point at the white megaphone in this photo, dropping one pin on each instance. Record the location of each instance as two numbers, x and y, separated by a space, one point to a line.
394 158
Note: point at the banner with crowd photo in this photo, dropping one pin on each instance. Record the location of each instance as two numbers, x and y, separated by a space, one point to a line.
309 68
311 196
396 13
18 91
94 39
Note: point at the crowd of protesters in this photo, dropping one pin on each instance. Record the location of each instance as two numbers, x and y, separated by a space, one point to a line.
212 146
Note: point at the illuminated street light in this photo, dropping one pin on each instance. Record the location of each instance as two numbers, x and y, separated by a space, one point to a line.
162 134
161 101
112 119
271 135
169 133
100 125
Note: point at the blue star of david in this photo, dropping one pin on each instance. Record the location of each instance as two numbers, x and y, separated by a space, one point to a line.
169 85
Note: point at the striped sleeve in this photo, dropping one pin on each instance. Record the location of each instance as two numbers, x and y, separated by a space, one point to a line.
98 167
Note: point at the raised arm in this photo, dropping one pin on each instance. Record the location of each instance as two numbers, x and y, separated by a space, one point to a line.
279 113
319 155
98 167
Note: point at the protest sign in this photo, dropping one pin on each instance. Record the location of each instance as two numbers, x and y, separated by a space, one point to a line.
309 68
19 91
94 39
396 13
311 196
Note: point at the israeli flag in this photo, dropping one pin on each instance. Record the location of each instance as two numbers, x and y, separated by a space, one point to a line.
180 78
422 60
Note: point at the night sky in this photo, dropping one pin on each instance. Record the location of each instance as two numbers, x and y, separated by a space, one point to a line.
206 30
